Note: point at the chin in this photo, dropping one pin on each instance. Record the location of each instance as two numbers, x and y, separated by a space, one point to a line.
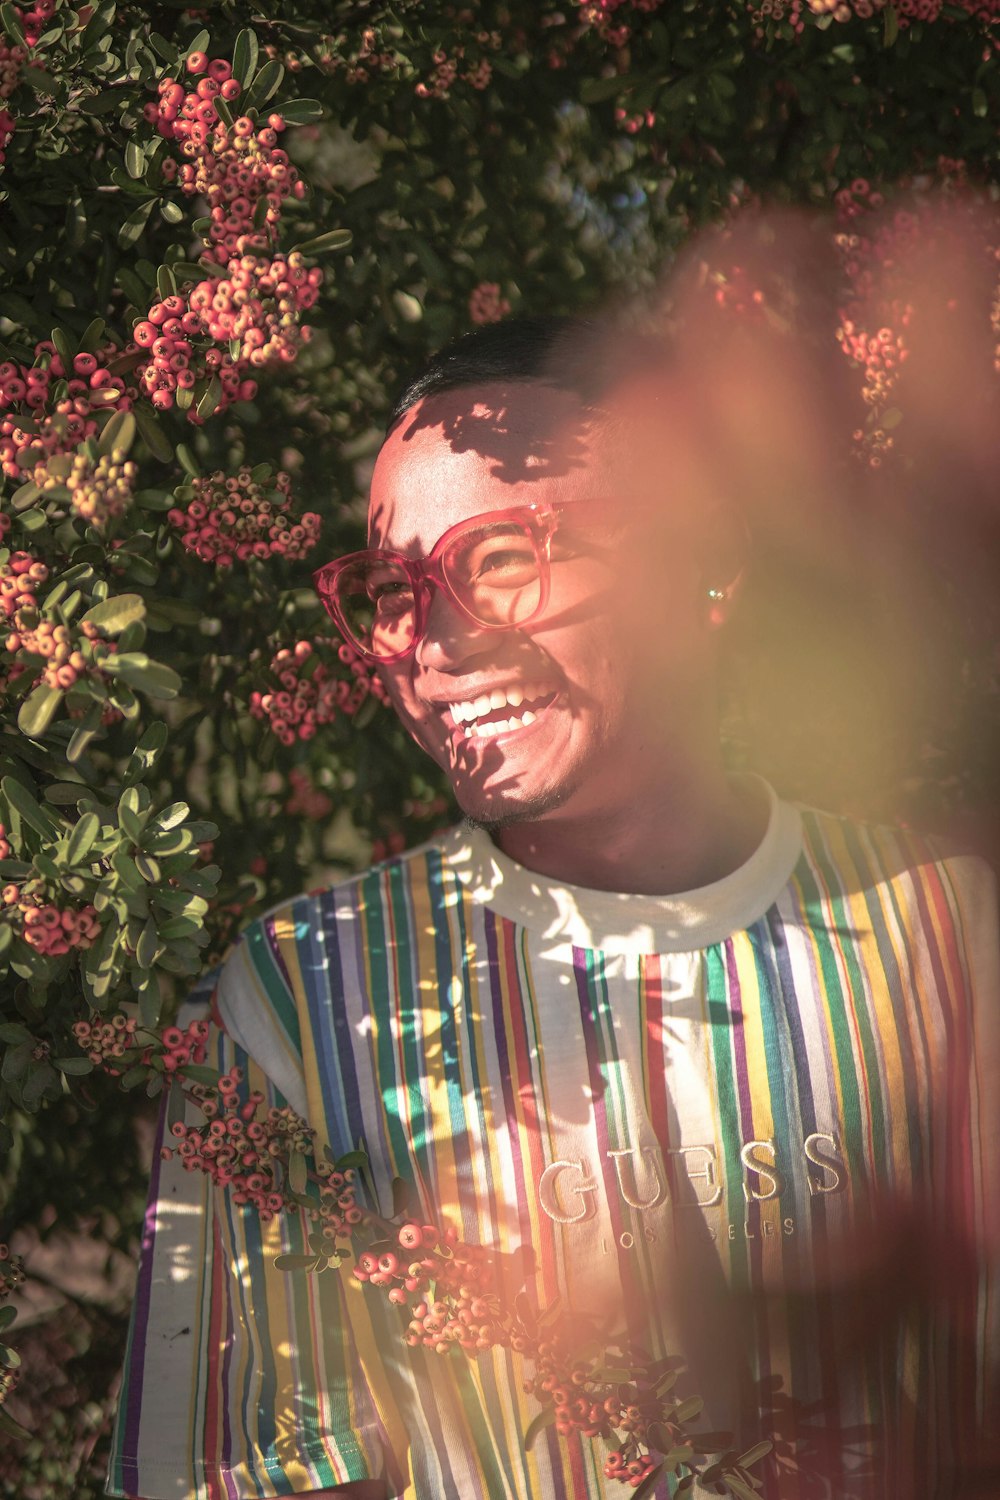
494 811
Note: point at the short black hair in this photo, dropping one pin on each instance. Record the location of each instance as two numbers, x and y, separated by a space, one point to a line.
529 347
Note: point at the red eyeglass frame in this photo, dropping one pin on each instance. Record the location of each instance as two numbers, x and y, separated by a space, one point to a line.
539 521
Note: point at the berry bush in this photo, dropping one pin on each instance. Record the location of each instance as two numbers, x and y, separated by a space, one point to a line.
226 236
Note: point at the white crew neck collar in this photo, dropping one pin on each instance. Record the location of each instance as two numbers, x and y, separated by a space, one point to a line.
619 923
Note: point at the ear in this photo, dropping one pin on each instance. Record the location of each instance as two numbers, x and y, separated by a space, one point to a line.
725 554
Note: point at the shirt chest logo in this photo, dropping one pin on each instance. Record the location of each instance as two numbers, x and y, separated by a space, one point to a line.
568 1189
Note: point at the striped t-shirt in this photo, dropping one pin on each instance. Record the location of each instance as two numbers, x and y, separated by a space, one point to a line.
755 1124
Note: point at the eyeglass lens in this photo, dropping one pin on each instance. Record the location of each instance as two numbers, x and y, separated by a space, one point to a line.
494 571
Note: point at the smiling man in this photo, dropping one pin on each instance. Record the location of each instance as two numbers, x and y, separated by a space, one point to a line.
715 1071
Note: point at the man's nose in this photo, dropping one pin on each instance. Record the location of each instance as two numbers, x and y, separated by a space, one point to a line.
450 637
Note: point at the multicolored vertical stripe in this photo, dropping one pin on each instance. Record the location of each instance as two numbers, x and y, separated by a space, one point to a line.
775 1152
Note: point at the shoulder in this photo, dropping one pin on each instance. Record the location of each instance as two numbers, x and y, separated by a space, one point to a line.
272 949
850 857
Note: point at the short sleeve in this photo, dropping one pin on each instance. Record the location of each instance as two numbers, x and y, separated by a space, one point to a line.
240 1380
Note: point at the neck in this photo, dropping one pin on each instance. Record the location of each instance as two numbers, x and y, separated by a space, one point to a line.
692 832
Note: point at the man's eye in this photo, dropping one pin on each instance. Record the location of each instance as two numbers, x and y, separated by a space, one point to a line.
503 561
391 592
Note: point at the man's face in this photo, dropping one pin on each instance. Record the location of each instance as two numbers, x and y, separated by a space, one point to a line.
599 692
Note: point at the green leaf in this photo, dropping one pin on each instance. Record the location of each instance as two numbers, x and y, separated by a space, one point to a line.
115 613
166 286
148 868
186 460
538 1423
295 1262
738 1486
146 753
890 25
88 727
11 23
172 815
12 1428
154 678
171 211
166 50
39 80
14 1034
201 1073
211 398
300 111
199 43
152 434
980 103
689 1409
137 294
147 946
133 226
76 1066
25 495
297 1173
265 85
63 348
22 802
39 709
355 1160
666 1382
649 1484
92 337
598 90
334 239
245 54
7 1316
118 432
751 1456
135 160
81 840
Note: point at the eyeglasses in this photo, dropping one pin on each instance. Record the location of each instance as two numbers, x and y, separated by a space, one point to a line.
494 569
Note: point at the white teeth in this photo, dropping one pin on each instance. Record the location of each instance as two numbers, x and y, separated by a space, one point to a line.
471 709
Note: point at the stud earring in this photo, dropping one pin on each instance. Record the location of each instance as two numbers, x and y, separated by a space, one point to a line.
717 595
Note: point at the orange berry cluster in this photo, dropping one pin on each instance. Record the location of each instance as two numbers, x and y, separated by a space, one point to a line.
309 694
477 75
306 800
599 13
486 304
99 491
248 1150
183 1047
234 167
465 1309
51 930
106 1041
62 427
255 307
60 645
20 575
232 519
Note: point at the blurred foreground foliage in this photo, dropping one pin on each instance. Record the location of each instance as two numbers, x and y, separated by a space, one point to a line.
226 235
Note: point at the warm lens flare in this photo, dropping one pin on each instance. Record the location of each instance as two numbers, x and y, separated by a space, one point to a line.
825 402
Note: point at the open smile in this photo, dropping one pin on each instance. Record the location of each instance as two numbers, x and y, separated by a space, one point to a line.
501 711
